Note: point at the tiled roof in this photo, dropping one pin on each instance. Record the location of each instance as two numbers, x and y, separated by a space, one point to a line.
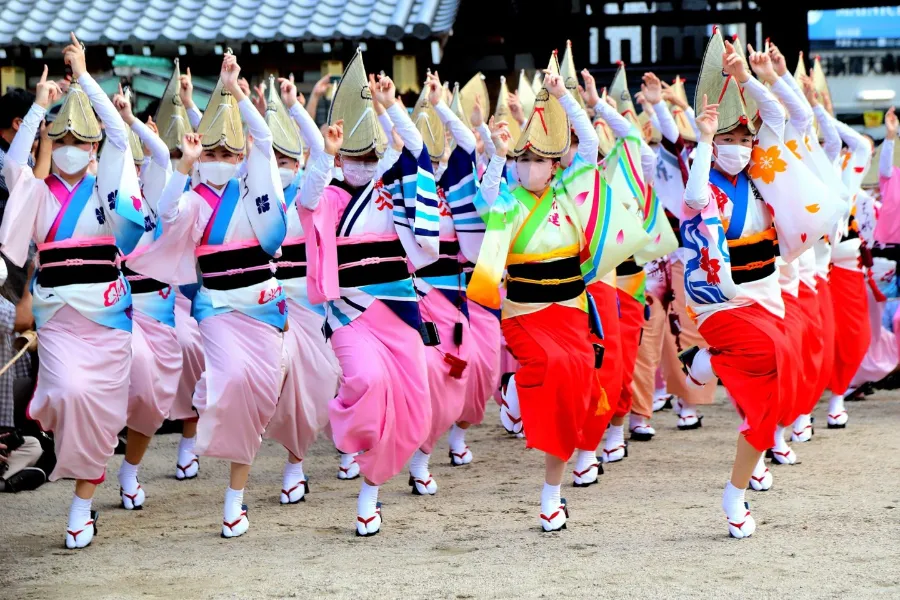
120 21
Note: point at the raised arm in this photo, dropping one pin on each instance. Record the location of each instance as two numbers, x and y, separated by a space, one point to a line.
770 109
20 148
113 125
788 91
829 131
159 153
386 94
311 135
588 142
886 162
320 165
696 192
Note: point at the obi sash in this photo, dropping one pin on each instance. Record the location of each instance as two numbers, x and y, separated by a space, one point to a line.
72 204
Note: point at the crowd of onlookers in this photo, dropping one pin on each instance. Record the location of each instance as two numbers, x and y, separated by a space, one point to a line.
26 452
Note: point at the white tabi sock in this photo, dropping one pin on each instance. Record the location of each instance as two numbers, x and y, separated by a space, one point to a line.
615 437
701 367
293 474
836 404
128 477
79 513
733 502
457 439
550 501
186 450
418 465
584 460
781 444
687 410
234 501
367 502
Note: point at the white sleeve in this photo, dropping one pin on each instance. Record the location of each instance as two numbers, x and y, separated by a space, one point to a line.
648 162
799 111
171 203
387 161
620 125
770 109
489 148
886 162
829 131
406 129
693 119
696 192
665 122
315 177
20 148
463 136
850 136
308 130
194 116
386 125
113 125
490 183
158 149
588 142
256 125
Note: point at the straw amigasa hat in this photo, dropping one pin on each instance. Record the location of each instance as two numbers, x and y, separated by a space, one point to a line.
474 88
171 117
502 112
353 103
76 117
547 129
285 136
752 107
721 88
651 134
221 124
430 126
619 92
570 75
681 119
526 93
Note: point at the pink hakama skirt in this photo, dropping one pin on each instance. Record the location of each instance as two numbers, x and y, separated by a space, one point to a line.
245 368
881 357
382 408
311 383
448 393
155 372
82 392
484 363
192 363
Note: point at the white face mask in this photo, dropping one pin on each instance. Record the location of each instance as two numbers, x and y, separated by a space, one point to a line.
732 158
358 173
71 159
287 176
535 176
217 173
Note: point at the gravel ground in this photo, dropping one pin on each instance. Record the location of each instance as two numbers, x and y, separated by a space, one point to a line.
829 528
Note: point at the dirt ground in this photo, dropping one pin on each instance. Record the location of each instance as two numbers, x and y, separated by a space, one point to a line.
829 528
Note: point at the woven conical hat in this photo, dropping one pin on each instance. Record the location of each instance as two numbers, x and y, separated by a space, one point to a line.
285 136
720 88
652 135
685 130
606 136
820 83
475 88
537 82
171 117
353 103
752 107
619 92
526 94
221 124
137 148
547 130
457 108
429 125
502 112
76 117
570 75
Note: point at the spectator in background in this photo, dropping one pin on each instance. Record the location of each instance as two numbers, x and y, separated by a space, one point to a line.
14 106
